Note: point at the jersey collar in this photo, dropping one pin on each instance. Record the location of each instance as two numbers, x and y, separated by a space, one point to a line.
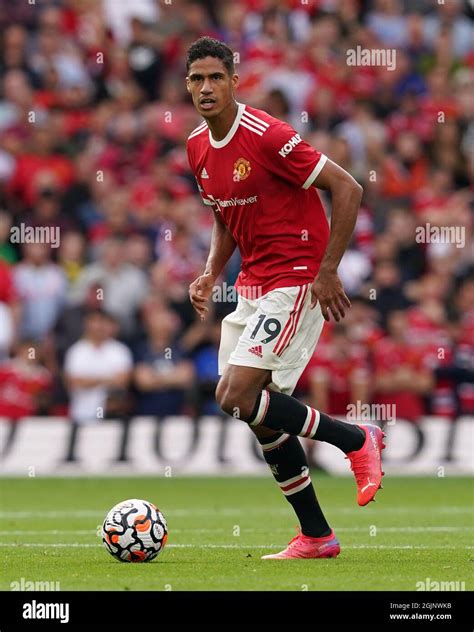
218 144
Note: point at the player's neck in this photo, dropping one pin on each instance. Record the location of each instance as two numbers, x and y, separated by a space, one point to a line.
220 125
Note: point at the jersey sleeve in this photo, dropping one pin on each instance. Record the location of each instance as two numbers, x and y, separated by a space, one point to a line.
197 177
290 157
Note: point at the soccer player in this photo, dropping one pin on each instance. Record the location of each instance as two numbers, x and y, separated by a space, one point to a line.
258 176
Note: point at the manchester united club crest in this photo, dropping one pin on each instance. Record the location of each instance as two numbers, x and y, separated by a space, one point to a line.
242 169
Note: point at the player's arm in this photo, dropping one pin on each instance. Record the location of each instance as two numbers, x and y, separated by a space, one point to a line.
222 247
346 195
293 159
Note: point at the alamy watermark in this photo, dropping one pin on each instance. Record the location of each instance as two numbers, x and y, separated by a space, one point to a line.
358 56
39 610
29 585
227 293
372 412
429 234
429 584
23 234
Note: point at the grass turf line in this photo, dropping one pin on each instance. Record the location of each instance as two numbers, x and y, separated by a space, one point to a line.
204 514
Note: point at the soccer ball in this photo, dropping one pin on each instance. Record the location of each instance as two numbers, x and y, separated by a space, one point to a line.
134 531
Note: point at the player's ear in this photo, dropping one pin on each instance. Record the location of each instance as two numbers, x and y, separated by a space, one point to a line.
188 85
235 81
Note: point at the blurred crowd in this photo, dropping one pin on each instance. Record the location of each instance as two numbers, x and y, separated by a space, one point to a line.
94 119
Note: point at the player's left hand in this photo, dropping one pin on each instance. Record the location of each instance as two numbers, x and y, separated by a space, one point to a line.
328 291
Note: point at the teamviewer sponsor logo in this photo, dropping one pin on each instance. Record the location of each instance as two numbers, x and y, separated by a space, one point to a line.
233 201
288 147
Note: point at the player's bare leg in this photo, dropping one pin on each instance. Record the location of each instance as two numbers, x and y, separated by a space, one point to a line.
283 413
287 460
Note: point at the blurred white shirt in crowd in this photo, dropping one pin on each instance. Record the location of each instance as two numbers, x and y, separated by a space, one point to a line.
353 270
6 331
119 14
42 290
85 360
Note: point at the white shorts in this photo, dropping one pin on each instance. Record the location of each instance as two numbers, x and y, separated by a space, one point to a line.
277 331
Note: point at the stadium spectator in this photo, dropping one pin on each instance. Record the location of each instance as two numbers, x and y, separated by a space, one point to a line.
47 211
338 374
94 119
7 250
388 23
410 256
71 255
123 285
6 331
386 289
450 15
162 374
96 367
41 166
10 308
25 385
362 324
401 374
41 286
119 17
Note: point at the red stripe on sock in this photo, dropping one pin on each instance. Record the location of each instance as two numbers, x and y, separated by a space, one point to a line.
311 423
295 484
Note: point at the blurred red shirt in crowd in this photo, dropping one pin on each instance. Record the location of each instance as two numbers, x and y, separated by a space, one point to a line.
337 375
31 169
401 371
22 382
7 288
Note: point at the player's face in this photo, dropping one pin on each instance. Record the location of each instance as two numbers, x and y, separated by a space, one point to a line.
211 86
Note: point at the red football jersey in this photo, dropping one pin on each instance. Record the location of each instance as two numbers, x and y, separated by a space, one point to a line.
259 179
339 369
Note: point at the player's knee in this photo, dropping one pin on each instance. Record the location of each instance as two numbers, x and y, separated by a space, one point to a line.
221 390
235 403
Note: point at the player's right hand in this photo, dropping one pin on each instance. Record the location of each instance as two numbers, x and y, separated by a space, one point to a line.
200 291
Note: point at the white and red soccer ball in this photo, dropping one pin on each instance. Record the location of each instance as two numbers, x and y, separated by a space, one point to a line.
134 531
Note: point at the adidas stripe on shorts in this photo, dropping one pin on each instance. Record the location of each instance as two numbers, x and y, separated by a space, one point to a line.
277 331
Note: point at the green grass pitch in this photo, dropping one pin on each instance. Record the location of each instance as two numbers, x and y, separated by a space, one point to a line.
419 529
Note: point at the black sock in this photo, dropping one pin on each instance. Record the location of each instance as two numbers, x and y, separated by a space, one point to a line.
347 437
287 460
285 413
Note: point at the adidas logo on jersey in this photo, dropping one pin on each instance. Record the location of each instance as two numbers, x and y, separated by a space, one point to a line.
204 173
257 351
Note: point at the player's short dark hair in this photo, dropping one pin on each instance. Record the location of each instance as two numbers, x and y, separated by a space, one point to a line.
210 47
